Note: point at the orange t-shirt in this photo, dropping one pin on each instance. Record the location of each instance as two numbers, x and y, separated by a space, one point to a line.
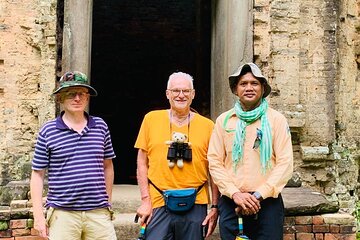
155 130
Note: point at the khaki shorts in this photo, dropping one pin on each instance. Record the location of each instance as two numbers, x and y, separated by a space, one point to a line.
80 225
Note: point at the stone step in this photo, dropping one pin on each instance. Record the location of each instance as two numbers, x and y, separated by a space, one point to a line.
125 227
125 201
125 198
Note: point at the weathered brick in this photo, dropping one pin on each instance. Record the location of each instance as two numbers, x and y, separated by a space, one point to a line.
5 214
305 236
317 220
303 228
319 236
20 232
347 229
339 218
18 204
19 213
34 231
289 229
5 233
303 220
321 228
333 228
29 238
289 236
336 236
18 223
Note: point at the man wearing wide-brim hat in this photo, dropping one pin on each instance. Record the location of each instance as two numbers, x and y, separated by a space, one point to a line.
76 150
251 159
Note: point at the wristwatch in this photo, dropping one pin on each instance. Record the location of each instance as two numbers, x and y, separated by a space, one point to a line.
214 206
258 196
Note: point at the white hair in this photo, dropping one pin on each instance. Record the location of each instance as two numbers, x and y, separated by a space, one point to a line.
182 75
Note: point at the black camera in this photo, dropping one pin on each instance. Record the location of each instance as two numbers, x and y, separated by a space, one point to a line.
179 151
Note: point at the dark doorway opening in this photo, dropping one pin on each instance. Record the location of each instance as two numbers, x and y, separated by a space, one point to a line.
136 45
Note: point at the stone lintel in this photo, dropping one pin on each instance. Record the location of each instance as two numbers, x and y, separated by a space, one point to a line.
301 201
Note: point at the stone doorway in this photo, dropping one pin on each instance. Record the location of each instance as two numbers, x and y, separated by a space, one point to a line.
136 45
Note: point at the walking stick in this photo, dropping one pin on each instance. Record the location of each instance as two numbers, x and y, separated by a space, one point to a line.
142 232
241 235
142 229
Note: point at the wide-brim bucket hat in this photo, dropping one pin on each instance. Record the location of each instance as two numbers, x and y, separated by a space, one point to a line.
74 79
255 70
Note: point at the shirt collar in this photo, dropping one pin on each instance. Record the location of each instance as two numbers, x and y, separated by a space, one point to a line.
61 125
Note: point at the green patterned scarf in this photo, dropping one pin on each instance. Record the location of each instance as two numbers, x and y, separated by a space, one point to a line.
245 119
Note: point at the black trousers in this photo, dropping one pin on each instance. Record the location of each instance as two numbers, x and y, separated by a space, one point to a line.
266 225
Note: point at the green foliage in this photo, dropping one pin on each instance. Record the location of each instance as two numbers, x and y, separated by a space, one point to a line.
3 225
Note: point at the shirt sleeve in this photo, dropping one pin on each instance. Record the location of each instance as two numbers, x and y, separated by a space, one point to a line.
41 154
217 155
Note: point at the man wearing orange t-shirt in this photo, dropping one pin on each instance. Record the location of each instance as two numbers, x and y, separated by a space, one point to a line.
156 174
251 159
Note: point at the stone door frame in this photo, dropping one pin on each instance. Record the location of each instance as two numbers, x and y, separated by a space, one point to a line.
231 43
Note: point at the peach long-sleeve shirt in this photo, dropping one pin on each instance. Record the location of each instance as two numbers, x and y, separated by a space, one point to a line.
248 175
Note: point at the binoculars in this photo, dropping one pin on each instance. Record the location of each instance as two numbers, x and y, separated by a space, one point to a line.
179 151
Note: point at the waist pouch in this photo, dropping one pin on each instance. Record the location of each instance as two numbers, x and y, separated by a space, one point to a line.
179 200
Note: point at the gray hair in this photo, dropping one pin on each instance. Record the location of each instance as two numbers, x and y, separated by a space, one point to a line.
182 75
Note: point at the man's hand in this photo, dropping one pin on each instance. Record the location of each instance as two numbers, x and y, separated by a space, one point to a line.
144 212
211 221
248 203
40 226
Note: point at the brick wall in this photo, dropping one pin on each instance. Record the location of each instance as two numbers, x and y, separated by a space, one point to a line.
320 227
16 223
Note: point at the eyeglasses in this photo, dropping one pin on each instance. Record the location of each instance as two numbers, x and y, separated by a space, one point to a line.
72 95
176 92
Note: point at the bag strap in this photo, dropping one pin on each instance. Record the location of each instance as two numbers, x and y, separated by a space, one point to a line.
161 192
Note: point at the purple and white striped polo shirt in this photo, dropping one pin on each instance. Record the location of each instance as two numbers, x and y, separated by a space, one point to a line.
75 163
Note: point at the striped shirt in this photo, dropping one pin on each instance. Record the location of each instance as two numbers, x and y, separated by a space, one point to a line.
75 163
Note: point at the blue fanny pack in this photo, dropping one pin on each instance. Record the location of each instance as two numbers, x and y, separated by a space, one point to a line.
179 200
